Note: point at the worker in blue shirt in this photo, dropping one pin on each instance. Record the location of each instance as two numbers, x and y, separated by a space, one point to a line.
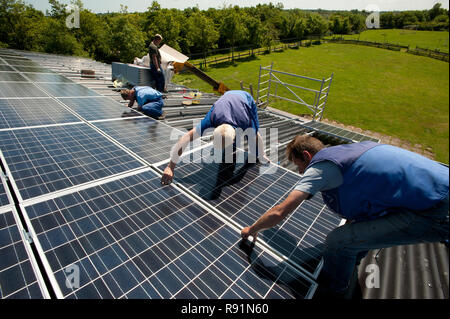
389 196
235 109
149 100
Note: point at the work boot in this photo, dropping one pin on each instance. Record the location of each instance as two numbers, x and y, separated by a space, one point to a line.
162 116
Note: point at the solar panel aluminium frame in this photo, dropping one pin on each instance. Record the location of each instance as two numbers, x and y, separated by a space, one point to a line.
11 208
313 275
200 203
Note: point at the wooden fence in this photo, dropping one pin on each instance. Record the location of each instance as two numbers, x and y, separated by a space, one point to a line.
242 55
435 54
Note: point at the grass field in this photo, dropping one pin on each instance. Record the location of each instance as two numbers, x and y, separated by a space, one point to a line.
393 93
423 39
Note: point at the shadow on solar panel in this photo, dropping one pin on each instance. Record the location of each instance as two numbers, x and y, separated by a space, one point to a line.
243 191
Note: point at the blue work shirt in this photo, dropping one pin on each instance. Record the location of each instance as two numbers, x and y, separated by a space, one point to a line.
237 108
146 94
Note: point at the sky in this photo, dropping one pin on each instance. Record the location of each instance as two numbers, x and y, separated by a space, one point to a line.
142 5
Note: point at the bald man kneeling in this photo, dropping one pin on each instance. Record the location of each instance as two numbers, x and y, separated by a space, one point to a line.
234 110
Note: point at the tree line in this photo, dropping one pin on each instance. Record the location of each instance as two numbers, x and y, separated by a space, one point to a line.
123 35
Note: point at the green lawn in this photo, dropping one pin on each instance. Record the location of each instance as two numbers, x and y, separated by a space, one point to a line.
423 39
393 93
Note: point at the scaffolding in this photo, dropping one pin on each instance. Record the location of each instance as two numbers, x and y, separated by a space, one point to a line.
269 89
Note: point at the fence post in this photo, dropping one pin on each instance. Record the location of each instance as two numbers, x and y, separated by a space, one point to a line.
270 80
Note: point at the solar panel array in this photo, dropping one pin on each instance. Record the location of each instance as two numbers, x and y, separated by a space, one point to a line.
86 174
135 239
241 191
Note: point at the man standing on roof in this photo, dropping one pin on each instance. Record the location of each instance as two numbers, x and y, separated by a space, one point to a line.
235 109
155 63
149 100
389 196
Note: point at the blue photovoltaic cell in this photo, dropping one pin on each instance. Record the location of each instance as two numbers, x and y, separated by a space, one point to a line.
47 77
66 89
146 137
132 238
99 108
46 159
11 76
17 277
22 89
243 192
32 112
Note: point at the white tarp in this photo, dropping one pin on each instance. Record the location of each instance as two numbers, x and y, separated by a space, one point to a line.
168 55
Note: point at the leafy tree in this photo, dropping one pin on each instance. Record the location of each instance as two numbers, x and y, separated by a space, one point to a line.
233 29
27 30
299 28
435 11
94 35
202 34
287 25
57 39
256 32
357 22
127 41
58 9
167 23
387 20
316 25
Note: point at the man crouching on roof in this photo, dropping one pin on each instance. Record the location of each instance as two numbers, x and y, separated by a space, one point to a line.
235 109
391 197
150 101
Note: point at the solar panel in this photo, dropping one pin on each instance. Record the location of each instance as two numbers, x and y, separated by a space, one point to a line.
22 89
5 68
47 159
32 112
47 77
11 77
243 192
13 56
146 137
20 62
65 89
99 108
339 132
132 238
6 54
23 68
18 271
